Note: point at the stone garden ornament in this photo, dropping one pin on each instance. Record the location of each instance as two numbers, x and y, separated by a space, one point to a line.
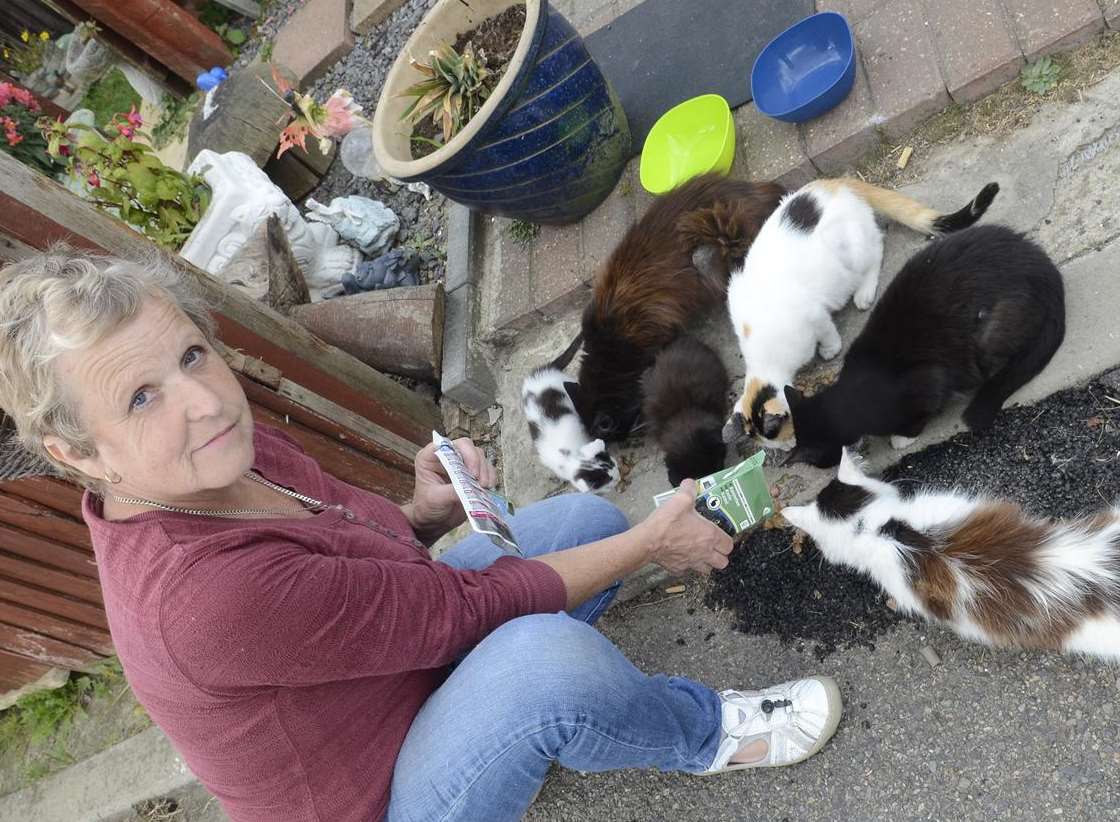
242 198
369 224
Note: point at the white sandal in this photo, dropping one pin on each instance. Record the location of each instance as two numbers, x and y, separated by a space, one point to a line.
795 718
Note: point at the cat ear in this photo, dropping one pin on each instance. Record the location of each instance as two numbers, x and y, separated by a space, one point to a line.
572 388
735 429
850 472
793 397
591 450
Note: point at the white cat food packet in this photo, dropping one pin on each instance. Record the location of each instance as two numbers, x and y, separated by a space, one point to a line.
485 509
736 499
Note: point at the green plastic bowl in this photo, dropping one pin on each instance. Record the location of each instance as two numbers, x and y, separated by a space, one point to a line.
691 138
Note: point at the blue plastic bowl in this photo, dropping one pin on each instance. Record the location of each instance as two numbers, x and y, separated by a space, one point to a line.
806 70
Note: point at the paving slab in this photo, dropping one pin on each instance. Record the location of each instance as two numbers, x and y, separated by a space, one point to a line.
559 277
508 305
314 38
977 51
603 228
367 14
768 149
901 61
854 10
1046 26
843 136
1110 9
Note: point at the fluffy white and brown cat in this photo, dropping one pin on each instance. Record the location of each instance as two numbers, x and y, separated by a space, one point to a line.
982 566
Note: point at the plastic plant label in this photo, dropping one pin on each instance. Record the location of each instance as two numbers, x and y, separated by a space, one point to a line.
736 499
485 509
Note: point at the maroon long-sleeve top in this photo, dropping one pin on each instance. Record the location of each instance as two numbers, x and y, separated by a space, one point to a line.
286 658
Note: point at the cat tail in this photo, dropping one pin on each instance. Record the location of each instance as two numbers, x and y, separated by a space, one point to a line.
561 362
726 227
910 212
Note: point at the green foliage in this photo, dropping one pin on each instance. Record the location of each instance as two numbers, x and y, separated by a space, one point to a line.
40 715
456 87
110 96
177 113
1041 76
126 179
266 51
523 232
22 56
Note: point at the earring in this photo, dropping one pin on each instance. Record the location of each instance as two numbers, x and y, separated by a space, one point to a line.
114 479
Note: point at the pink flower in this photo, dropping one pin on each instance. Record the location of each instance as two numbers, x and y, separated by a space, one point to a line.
64 151
5 94
134 118
126 130
343 114
11 131
23 97
93 180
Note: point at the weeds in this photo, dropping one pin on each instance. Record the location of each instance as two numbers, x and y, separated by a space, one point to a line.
177 113
1041 76
523 232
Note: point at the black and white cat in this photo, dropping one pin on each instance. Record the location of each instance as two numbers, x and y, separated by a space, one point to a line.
561 441
979 312
819 249
982 566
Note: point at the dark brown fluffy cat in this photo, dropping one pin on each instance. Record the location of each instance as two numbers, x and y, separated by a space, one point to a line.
650 289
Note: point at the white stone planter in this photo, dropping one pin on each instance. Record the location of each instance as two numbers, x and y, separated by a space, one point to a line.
242 198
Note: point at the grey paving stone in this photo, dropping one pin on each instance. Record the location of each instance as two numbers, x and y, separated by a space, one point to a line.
977 50
901 63
314 38
1045 26
768 149
844 135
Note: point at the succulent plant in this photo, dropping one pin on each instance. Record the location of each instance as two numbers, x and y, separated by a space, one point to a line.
455 88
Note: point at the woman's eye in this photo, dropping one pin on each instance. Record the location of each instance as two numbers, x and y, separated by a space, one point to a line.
193 355
139 400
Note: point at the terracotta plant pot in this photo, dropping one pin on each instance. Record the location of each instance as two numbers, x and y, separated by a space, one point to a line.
547 146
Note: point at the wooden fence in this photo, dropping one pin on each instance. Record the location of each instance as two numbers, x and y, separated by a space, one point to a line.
359 424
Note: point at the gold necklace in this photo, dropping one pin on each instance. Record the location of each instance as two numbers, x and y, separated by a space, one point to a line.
309 503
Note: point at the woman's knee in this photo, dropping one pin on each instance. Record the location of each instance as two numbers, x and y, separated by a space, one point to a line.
593 517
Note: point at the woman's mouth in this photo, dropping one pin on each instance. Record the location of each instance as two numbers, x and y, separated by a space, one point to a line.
219 438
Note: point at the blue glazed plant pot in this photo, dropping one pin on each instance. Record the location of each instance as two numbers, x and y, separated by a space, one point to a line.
547 146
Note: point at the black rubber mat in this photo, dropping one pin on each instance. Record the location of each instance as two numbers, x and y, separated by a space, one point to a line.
665 51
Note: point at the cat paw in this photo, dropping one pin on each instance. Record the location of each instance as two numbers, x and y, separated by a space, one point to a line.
829 350
865 297
898 442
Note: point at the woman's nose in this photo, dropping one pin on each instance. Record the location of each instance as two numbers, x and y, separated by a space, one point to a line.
202 401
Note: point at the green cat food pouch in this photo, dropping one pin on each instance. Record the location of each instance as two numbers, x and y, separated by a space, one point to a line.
736 499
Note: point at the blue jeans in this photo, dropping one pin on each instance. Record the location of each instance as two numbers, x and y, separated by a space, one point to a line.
542 688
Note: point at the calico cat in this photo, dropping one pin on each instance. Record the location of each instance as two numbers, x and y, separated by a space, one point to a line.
559 437
821 248
982 566
652 288
684 400
980 312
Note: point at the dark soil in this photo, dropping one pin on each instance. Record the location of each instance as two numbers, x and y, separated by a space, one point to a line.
495 38
1057 458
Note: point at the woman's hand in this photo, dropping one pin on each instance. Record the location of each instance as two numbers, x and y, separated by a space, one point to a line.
435 508
681 540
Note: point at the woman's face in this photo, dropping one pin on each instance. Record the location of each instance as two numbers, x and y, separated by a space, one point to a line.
163 409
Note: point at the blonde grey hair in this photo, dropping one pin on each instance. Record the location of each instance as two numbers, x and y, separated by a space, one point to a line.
61 301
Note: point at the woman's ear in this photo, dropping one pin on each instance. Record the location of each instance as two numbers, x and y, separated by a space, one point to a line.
67 454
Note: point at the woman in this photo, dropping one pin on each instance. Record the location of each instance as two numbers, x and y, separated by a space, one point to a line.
290 633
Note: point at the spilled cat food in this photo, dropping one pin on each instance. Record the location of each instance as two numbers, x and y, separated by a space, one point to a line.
1056 458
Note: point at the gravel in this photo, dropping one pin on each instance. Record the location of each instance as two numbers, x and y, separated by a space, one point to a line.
362 72
1057 458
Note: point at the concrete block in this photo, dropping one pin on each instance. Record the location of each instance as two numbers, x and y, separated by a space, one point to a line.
105 785
558 272
466 376
1045 26
978 53
367 14
509 304
901 63
314 38
1110 9
844 135
462 241
768 149
603 228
